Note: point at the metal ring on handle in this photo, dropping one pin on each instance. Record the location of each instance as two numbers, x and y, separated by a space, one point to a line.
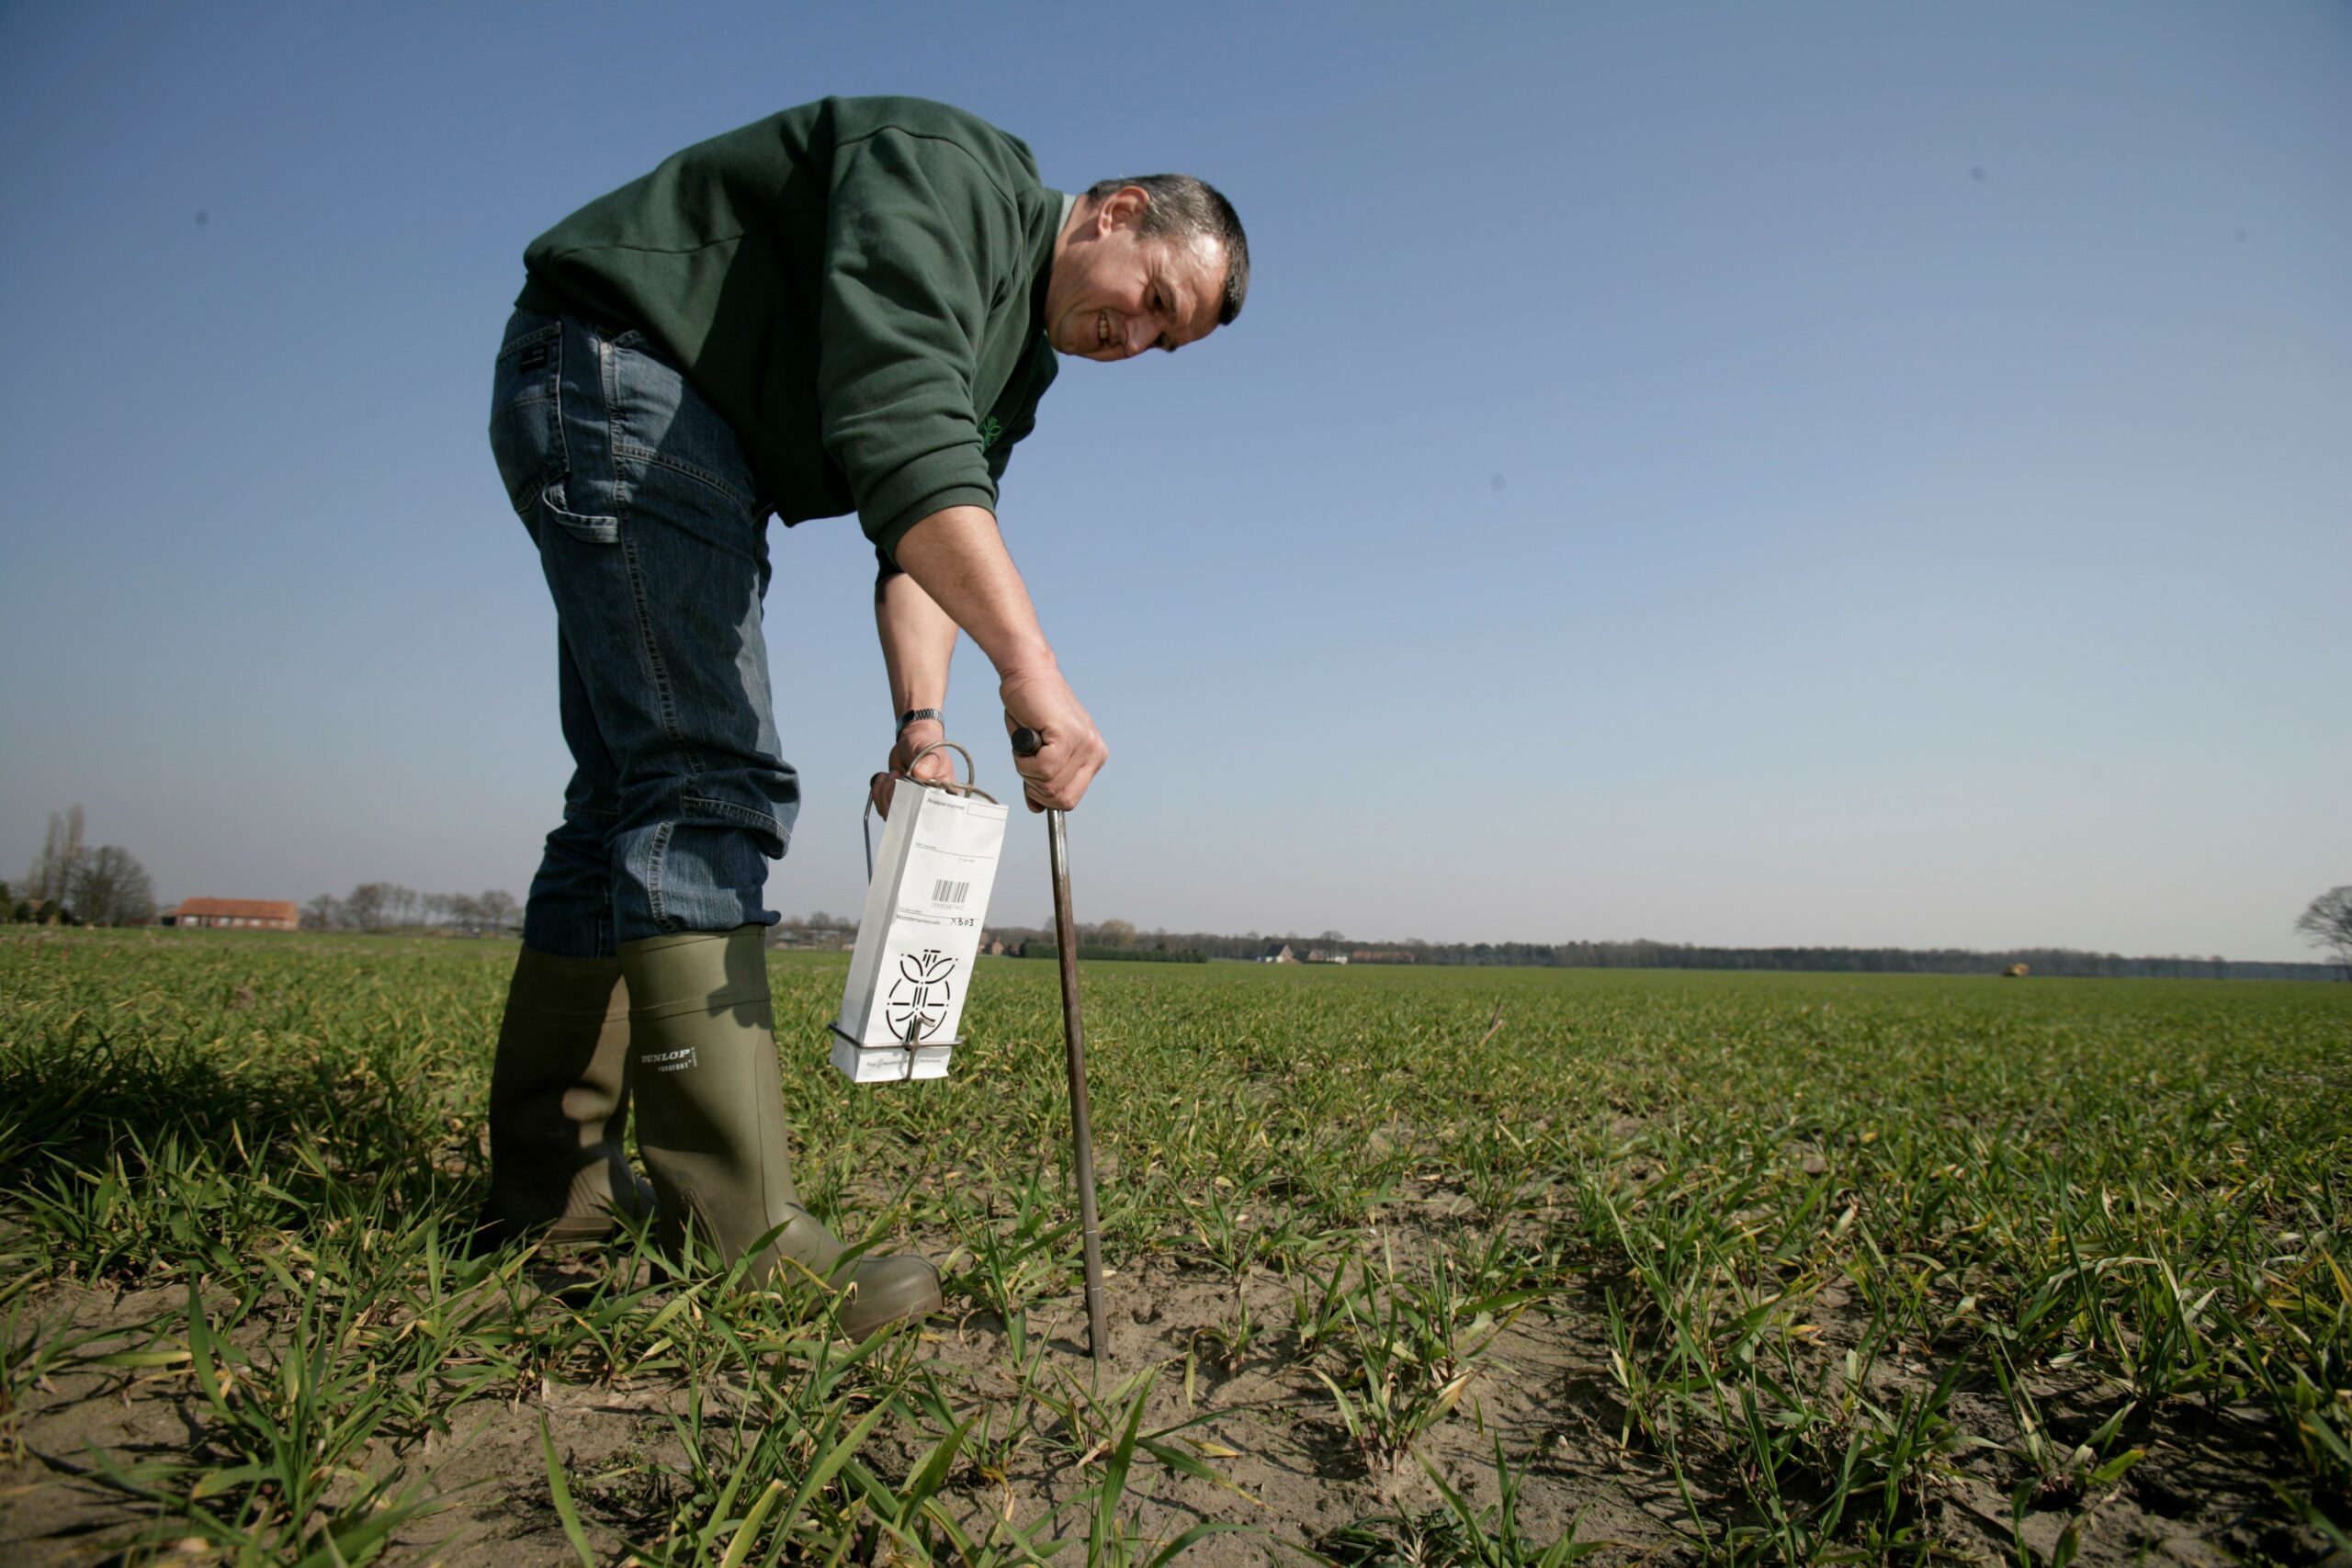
969 786
971 783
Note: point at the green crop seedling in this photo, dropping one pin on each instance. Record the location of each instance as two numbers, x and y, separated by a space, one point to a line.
1466 1265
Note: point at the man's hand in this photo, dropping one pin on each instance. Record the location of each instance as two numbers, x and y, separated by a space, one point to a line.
1072 752
937 768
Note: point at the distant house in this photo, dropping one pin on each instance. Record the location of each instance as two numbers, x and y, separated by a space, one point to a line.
822 939
1281 954
995 947
240 914
1382 955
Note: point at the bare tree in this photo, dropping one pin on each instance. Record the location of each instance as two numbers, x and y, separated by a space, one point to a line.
499 909
322 913
466 912
2328 923
366 905
437 908
400 904
51 877
1116 934
111 888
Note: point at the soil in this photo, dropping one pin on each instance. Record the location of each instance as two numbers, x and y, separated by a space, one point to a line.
2204 1494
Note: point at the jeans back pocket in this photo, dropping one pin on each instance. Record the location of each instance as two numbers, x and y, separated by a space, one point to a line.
525 407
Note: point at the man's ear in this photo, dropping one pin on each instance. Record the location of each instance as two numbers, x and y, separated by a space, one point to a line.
1123 208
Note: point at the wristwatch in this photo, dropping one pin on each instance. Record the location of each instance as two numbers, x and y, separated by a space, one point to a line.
911 714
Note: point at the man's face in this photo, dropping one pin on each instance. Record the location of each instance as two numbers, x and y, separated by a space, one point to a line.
1115 293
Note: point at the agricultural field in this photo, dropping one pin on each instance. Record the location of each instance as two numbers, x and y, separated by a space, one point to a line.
1451 1267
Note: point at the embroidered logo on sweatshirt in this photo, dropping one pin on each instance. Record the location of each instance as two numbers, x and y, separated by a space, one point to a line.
989 431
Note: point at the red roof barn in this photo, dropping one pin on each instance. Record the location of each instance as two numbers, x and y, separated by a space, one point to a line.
244 914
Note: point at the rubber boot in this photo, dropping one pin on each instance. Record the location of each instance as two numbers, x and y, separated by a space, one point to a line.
558 1103
710 1123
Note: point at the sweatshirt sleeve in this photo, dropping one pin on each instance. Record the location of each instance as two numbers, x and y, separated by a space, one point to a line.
913 224
1001 453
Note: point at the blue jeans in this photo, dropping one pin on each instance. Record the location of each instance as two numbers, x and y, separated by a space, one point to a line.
654 545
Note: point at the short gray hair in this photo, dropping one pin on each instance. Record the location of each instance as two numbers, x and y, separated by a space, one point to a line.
1190 208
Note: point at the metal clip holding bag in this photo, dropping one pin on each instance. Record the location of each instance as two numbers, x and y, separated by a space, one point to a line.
926 896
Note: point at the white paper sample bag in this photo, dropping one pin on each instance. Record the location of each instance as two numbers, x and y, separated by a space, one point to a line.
920 934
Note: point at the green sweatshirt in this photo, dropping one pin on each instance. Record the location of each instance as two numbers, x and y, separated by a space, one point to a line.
856 285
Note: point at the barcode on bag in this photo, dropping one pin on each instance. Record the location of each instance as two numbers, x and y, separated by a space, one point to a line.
950 892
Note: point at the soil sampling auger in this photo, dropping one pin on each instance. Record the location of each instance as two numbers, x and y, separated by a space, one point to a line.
1026 743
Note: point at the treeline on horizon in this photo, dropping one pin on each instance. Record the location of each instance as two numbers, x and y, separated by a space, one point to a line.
1644 954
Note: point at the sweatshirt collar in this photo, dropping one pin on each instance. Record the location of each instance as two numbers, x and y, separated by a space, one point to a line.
1046 272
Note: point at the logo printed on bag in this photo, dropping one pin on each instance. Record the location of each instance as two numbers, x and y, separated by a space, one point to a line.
920 997
676 1061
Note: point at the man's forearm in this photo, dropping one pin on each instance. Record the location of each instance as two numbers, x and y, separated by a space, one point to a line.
918 641
958 558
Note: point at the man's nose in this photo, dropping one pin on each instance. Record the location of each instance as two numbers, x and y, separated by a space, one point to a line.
1141 333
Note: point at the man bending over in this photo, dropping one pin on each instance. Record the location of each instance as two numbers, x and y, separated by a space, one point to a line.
851 306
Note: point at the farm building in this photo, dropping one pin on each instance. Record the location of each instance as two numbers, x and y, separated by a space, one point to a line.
244 914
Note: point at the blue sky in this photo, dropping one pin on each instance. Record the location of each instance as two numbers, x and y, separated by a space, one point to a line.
1837 474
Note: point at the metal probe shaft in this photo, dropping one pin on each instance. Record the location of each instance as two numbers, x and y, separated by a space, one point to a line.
1025 743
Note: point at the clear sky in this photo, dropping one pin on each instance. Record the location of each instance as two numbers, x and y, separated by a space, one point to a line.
1744 474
